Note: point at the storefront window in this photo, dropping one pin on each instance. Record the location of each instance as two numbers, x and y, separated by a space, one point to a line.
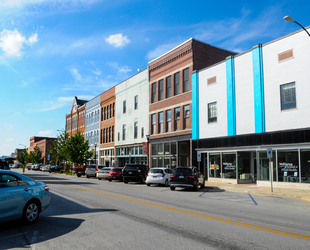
288 167
160 149
154 162
305 165
173 162
246 165
173 148
160 162
214 165
229 165
166 148
154 149
167 162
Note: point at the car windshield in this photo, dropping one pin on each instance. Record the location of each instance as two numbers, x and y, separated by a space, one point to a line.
156 171
91 167
105 169
132 167
117 170
182 171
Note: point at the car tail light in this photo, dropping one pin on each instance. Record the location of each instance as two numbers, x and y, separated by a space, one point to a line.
163 174
173 175
46 188
147 174
191 176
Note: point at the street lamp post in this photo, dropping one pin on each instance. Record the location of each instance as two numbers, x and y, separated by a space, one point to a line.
147 139
291 20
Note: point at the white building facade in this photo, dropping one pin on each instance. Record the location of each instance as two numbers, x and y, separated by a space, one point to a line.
131 119
93 125
251 114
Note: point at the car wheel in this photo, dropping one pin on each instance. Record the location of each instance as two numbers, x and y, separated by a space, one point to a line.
172 188
78 175
166 183
203 184
31 212
99 178
110 180
125 181
87 176
148 184
196 187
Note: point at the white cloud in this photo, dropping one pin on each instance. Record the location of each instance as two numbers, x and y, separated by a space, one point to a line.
8 125
45 133
33 38
117 40
25 3
97 72
120 69
11 42
9 139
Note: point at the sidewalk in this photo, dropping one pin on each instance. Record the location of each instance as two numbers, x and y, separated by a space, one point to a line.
302 195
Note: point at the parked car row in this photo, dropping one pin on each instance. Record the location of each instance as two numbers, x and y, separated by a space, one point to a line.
184 177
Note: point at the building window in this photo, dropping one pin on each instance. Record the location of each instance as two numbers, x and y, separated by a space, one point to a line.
105 113
211 80
124 132
124 107
186 117
136 130
113 109
168 120
112 133
288 96
212 112
136 102
285 55
153 92
176 83
177 121
168 87
160 90
101 114
160 122
108 112
118 136
153 121
106 135
186 80
142 132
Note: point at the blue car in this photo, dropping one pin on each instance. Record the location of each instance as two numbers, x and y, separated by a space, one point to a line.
21 197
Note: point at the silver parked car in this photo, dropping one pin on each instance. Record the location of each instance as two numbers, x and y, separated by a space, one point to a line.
21 197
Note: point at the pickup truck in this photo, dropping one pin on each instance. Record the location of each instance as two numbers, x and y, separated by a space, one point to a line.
80 171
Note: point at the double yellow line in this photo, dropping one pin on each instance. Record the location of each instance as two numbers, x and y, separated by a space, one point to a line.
266 229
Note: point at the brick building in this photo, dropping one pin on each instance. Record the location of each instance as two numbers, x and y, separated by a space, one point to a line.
170 95
75 120
44 144
107 127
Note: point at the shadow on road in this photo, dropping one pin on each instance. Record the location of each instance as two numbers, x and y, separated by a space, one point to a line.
59 219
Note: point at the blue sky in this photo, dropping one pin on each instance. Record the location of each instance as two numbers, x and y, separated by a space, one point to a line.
53 50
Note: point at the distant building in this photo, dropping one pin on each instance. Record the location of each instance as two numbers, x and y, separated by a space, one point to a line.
44 144
75 120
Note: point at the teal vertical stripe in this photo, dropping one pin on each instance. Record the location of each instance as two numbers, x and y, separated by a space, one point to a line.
258 81
195 105
231 99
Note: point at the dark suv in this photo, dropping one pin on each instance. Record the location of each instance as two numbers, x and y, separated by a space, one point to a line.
135 172
186 177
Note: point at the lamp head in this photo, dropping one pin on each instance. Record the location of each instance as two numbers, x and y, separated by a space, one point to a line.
288 19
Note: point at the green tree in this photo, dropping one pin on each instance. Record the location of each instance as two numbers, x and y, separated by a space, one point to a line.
22 157
35 156
77 149
58 149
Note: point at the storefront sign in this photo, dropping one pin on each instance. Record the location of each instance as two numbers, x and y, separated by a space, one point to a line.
285 167
229 166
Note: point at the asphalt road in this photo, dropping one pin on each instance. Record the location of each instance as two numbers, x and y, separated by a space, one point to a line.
92 214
